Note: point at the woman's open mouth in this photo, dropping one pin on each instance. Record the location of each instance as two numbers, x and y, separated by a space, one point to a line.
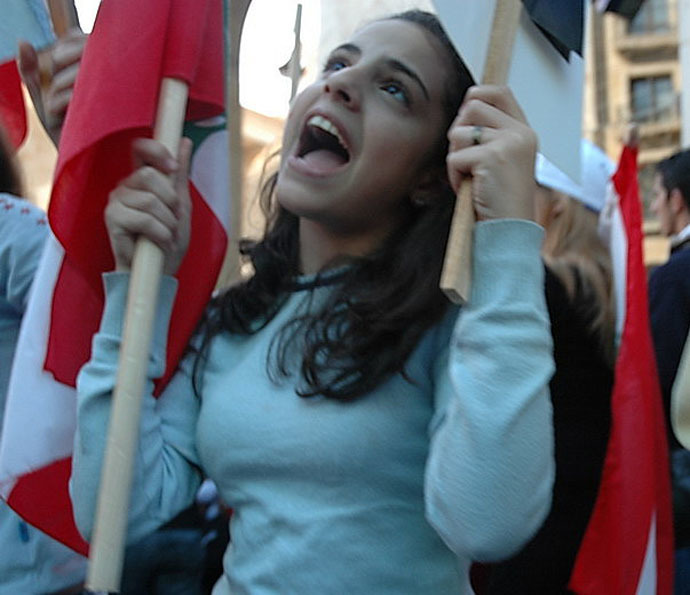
322 148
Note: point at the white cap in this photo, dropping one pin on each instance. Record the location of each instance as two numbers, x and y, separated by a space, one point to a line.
596 168
548 175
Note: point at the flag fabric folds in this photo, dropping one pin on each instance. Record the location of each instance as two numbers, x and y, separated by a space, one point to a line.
117 110
628 546
132 47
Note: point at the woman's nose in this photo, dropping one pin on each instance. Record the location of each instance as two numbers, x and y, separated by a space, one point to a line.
341 85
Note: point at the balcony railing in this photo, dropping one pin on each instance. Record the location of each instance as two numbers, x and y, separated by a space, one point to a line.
668 113
640 43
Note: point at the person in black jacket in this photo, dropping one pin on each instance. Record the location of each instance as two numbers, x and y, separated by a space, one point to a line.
669 313
669 284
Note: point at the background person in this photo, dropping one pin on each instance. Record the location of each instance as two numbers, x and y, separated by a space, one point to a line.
669 313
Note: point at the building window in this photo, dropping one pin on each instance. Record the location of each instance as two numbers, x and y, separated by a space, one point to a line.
652 99
645 179
652 17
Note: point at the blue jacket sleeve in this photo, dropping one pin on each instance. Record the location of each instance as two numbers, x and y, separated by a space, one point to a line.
23 230
491 466
166 473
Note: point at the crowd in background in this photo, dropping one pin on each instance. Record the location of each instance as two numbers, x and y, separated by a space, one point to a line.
567 324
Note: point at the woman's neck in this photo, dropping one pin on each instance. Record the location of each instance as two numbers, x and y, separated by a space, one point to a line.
320 245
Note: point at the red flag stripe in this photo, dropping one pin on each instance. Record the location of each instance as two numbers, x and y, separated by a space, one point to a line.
30 495
67 350
12 108
635 488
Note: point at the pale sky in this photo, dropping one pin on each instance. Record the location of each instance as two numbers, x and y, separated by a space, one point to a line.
267 43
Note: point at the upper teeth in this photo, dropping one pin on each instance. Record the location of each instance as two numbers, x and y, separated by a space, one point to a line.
328 126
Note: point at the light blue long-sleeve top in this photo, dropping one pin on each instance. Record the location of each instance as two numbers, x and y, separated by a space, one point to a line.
30 561
394 493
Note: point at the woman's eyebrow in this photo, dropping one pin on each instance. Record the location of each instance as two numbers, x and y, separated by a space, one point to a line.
399 66
348 47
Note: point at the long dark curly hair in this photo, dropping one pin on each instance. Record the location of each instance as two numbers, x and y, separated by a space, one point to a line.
381 304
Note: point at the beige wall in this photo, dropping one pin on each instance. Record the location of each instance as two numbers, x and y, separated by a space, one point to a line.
633 56
614 58
36 158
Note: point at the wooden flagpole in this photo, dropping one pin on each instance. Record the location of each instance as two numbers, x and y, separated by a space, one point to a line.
64 16
296 58
456 277
110 528
231 272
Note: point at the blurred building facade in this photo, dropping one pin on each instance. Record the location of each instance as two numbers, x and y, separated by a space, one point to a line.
633 76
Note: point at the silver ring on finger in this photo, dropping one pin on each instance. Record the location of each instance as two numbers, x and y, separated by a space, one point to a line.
477 135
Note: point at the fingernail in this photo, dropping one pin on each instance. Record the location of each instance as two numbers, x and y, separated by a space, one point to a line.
171 164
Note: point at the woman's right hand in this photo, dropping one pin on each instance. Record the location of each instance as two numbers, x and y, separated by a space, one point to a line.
152 202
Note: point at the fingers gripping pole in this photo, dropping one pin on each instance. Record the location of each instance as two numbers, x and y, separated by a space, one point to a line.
456 277
110 528
63 16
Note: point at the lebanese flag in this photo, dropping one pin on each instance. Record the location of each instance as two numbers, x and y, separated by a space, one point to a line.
628 546
134 44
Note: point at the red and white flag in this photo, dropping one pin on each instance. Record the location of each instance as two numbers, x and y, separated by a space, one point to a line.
628 545
133 45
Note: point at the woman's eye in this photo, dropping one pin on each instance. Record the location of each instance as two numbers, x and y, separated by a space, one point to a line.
397 91
334 64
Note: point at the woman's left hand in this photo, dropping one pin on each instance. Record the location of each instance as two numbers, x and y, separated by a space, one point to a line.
491 141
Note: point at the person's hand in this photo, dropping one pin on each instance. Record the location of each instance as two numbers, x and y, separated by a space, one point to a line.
631 137
152 202
491 141
50 78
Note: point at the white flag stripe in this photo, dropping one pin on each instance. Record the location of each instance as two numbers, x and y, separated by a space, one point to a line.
209 174
29 412
647 583
612 230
